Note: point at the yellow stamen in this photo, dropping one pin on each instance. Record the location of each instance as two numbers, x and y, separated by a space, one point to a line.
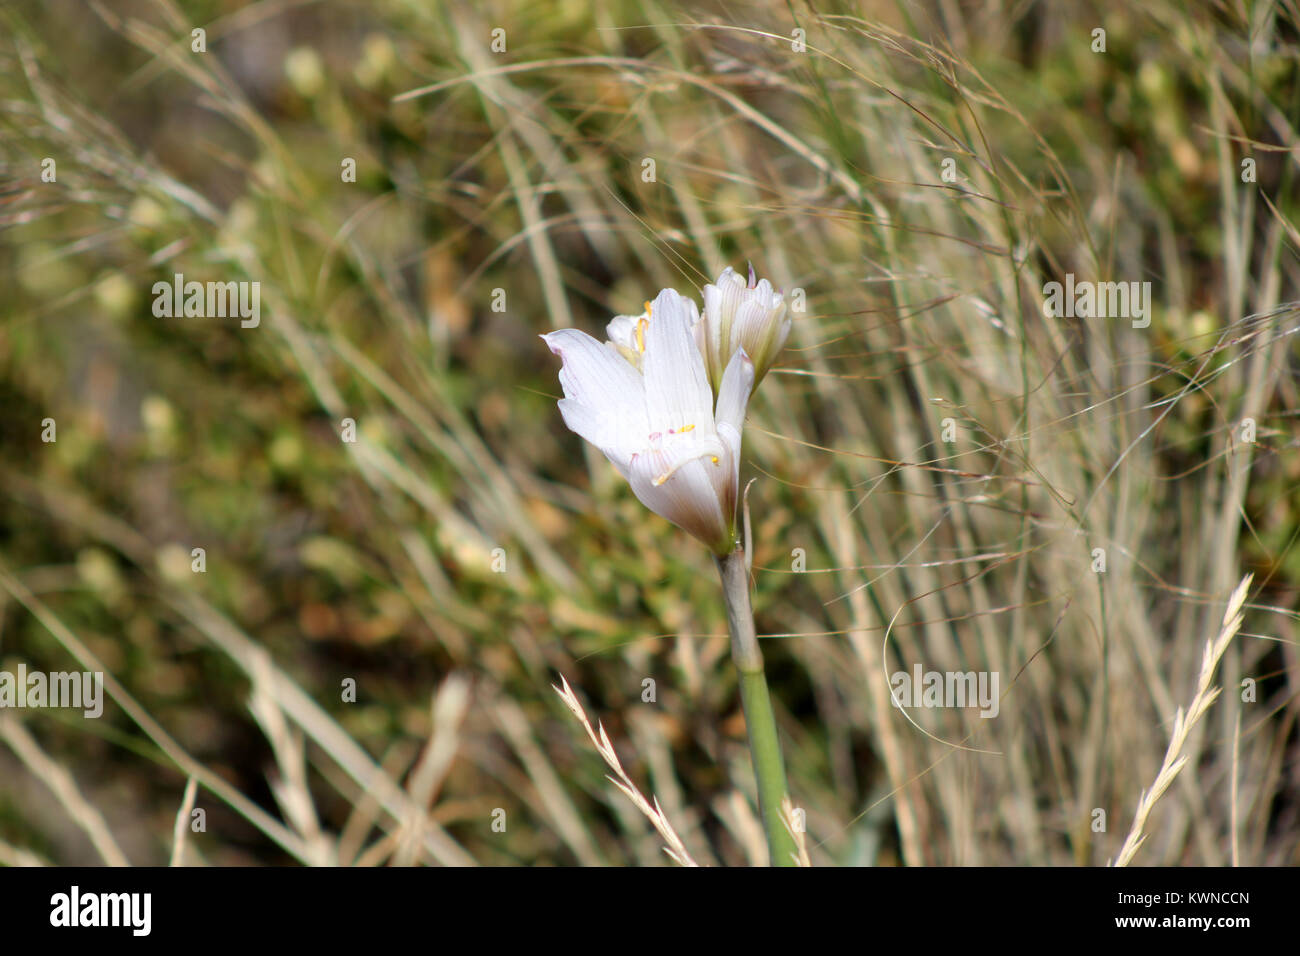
685 428
667 474
713 458
640 334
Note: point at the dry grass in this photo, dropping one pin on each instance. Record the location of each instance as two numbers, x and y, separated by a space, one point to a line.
652 812
1184 721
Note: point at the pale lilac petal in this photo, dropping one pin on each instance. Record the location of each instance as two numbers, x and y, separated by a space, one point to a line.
733 397
782 333
733 394
692 310
728 292
702 332
622 331
677 392
595 375
721 299
726 481
684 491
606 430
750 321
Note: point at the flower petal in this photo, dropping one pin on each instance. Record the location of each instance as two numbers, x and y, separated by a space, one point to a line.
622 331
594 373
683 490
726 482
733 394
677 392
604 429
721 299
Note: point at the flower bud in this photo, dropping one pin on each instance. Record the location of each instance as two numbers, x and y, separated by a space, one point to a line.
740 315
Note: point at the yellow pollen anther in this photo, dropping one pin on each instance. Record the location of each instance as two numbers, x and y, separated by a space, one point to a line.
685 428
713 458
640 334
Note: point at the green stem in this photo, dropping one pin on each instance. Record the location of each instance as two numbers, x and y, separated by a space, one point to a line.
760 721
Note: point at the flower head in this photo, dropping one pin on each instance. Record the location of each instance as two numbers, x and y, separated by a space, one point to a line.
739 315
644 399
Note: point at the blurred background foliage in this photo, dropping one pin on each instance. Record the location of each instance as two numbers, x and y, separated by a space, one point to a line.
521 170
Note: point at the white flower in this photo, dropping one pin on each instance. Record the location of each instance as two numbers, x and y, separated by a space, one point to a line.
644 400
742 316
